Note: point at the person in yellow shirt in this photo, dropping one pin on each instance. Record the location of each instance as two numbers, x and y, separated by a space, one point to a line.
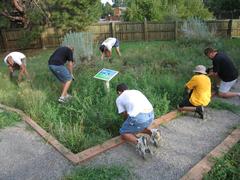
199 92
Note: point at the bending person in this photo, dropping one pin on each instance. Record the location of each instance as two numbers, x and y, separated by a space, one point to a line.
17 61
199 92
64 74
107 45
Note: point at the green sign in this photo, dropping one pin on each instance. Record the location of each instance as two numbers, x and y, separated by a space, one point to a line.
106 74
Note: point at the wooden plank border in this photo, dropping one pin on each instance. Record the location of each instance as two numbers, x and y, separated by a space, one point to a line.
202 167
88 153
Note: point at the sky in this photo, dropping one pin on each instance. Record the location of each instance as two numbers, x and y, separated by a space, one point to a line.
105 1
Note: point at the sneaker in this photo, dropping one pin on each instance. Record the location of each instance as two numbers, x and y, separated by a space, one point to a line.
68 96
155 137
142 146
200 111
62 99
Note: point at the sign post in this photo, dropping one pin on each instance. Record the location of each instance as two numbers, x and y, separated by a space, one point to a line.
106 75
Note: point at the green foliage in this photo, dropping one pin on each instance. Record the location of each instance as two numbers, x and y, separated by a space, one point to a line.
73 15
222 5
82 43
106 10
195 30
219 104
227 167
159 10
159 69
8 119
100 173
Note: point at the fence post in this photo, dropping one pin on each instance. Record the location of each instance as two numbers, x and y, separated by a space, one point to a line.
4 38
229 30
113 29
175 30
145 29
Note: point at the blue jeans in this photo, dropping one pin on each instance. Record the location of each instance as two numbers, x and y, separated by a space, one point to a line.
137 123
61 72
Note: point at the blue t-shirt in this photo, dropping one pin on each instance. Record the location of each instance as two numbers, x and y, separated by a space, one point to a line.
61 56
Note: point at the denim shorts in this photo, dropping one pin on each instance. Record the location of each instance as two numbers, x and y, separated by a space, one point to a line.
137 123
61 72
116 43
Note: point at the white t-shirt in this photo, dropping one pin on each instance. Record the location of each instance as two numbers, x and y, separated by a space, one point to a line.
109 43
133 102
17 57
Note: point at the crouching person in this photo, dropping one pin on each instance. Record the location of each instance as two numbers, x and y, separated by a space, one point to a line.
199 89
17 61
138 114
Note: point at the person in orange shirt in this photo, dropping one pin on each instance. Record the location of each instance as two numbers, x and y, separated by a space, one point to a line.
199 92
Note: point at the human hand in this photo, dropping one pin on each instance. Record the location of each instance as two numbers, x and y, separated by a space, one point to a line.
73 78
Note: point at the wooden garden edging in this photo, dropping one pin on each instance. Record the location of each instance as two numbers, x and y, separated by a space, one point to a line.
202 167
88 153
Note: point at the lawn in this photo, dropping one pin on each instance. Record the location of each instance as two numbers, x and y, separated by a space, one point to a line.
159 69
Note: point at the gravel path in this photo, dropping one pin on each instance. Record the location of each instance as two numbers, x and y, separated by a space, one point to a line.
24 156
186 141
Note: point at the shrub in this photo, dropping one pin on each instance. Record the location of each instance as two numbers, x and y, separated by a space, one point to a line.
195 30
82 43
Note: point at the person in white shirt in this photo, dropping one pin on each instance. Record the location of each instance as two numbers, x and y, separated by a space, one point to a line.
138 114
107 45
17 61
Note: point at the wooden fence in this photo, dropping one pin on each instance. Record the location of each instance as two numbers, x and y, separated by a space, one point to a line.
124 31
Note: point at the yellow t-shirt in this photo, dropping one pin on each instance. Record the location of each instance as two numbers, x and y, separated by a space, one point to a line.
201 86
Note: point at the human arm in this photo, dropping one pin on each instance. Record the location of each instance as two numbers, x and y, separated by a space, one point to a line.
118 51
23 71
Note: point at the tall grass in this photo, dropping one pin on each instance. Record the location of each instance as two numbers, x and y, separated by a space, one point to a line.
158 69
8 118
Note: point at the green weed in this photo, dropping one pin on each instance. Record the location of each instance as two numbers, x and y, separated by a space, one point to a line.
158 69
8 119
219 104
227 167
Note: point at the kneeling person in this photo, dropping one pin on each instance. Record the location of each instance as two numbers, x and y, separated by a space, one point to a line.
17 61
199 89
138 114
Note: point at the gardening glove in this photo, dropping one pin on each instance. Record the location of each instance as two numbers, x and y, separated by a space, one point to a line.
73 78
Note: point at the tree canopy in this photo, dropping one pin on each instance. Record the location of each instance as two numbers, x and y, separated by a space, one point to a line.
159 10
64 14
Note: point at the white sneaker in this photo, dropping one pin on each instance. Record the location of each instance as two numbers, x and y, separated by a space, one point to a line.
68 96
155 137
142 146
62 99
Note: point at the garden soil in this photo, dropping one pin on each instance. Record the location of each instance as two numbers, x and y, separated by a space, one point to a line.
185 141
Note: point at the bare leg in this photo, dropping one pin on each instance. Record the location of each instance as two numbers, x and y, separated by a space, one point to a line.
147 131
187 108
118 51
65 88
229 94
130 137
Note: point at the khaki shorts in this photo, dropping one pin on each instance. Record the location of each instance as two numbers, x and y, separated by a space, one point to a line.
226 86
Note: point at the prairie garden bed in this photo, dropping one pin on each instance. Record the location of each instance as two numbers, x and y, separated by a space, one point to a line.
159 69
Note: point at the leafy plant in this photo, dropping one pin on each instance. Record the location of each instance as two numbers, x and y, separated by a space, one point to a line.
82 43
195 30
226 167
8 119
